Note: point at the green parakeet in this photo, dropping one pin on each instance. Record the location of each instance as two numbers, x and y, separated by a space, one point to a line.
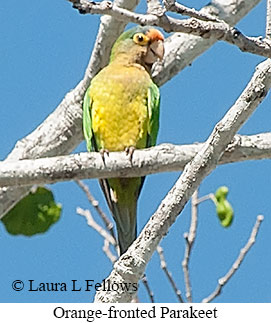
120 112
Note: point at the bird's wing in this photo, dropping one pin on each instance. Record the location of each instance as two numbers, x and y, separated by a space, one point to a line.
87 124
153 112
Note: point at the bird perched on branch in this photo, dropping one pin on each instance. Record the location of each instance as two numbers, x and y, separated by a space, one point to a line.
121 113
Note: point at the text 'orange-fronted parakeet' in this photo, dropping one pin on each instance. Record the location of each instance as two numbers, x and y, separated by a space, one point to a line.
120 112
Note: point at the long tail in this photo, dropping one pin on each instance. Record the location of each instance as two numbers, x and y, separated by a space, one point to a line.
121 195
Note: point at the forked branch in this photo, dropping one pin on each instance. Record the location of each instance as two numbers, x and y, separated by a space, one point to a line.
218 30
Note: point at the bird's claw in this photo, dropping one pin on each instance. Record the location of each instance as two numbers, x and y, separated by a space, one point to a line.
129 152
102 152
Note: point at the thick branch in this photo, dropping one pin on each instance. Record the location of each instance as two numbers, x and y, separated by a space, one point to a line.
131 265
205 29
154 7
162 158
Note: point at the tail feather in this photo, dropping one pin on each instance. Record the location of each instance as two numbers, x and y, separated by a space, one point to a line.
126 225
121 195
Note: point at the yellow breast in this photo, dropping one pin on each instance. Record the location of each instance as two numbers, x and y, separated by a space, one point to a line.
119 107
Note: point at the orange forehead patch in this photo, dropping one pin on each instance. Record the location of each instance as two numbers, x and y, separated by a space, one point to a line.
154 34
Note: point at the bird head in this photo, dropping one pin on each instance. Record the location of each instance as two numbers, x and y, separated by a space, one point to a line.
141 45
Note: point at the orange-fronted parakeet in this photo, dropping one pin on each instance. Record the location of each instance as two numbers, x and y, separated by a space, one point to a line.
120 111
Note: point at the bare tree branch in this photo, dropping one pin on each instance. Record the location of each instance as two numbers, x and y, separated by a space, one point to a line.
108 238
147 286
108 224
61 132
205 29
190 239
207 197
92 223
162 158
108 253
155 7
173 6
243 252
268 20
182 49
163 265
131 265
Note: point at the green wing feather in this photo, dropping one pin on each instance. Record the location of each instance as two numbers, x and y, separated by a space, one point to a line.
153 111
87 127
153 125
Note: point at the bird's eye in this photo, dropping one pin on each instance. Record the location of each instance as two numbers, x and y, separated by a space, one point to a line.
140 39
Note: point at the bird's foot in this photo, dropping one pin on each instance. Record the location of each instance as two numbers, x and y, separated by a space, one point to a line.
102 153
129 152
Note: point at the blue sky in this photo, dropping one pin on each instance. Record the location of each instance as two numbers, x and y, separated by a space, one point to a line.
45 46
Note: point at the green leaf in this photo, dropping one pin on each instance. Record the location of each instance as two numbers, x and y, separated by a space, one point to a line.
34 214
224 209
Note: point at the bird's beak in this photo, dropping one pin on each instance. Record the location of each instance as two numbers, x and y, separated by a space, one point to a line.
155 51
158 48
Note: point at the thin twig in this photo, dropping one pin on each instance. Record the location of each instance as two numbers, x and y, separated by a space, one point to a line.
147 286
268 20
92 223
207 197
168 274
107 251
224 280
173 6
108 224
190 238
